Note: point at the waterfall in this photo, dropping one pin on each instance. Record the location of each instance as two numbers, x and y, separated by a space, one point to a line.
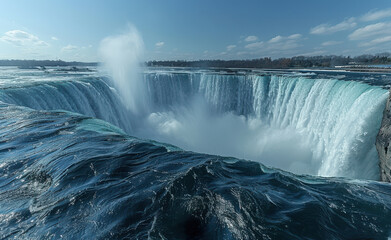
337 121
313 126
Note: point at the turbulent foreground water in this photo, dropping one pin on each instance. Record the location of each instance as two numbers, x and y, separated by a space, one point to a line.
64 173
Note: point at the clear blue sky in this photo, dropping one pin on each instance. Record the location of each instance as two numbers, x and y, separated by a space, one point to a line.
202 29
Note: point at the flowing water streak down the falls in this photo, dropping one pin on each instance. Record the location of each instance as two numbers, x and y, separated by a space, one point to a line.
336 120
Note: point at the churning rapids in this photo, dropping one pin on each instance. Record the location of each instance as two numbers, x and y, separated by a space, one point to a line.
74 165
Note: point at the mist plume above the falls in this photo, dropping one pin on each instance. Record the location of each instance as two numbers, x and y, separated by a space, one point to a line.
122 56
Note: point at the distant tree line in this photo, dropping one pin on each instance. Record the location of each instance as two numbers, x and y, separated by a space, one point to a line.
46 63
266 62
294 62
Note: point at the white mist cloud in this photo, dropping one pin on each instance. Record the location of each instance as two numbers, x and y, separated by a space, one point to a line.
327 28
122 56
54 38
376 15
249 138
159 44
22 38
251 38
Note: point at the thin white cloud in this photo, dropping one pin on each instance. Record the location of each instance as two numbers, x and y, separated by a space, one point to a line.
159 44
327 28
230 47
279 38
278 45
284 45
376 15
251 39
331 43
22 38
54 38
255 45
376 41
381 40
85 47
276 39
381 28
69 48
242 53
295 36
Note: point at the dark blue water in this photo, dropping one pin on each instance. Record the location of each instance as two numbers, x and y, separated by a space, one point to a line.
66 175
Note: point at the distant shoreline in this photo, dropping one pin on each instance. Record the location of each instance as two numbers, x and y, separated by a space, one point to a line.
365 63
46 63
